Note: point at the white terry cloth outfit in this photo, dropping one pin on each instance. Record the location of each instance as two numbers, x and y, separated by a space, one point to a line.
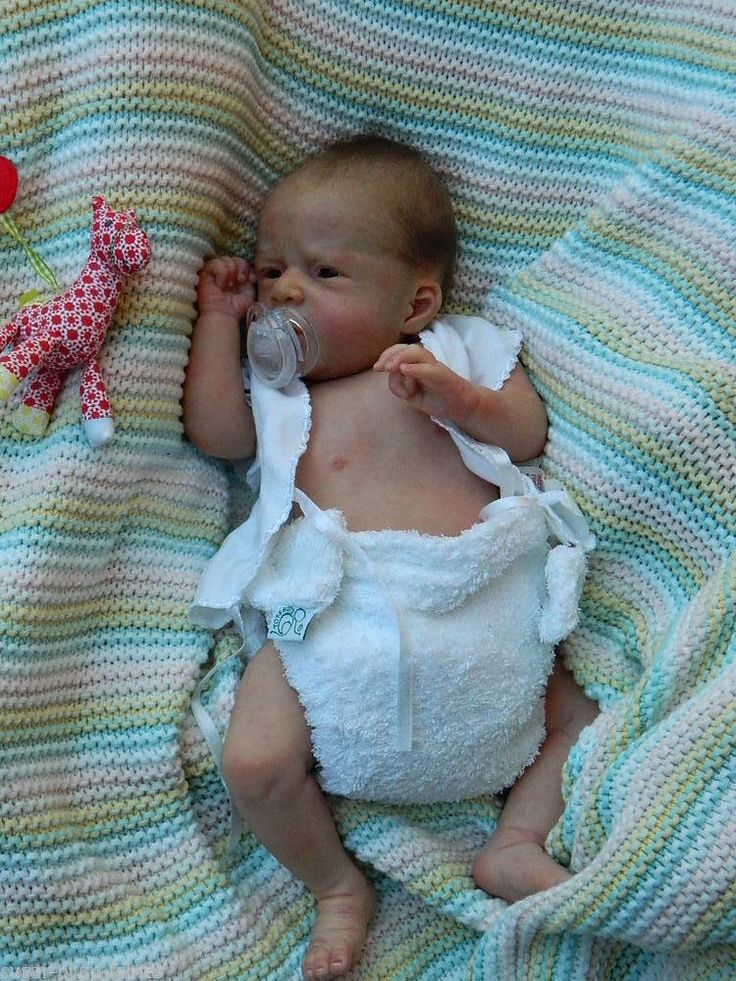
420 660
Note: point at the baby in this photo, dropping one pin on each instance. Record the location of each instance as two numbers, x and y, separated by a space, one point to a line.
390 449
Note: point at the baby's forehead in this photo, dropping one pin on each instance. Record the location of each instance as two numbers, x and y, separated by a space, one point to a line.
340 210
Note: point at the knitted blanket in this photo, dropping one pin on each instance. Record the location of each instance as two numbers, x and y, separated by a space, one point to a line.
590 148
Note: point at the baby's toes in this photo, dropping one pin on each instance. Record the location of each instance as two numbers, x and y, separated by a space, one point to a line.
322 962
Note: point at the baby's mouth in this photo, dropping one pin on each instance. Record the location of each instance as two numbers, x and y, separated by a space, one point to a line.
282 344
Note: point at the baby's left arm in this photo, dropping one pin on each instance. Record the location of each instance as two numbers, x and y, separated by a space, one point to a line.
513 417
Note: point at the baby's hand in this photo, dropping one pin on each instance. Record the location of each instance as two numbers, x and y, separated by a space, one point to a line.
417 377
226 285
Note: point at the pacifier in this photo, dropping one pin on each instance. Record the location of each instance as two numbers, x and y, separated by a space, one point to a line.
281 344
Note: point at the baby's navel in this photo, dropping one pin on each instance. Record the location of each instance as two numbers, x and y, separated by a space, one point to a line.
338 463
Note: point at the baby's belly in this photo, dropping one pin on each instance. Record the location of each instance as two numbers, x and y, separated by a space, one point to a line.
386 465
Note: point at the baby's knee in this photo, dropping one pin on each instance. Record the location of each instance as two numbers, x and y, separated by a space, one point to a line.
254 775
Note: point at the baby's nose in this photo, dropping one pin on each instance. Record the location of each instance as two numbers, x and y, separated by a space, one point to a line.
287 289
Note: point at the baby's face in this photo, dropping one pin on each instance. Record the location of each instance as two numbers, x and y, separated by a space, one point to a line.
327 248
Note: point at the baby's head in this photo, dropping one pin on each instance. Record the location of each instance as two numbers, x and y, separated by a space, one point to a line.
361 238
421 227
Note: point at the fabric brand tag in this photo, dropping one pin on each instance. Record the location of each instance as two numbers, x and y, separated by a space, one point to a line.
290 622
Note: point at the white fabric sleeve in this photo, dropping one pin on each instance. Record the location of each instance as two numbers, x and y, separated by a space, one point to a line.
474 348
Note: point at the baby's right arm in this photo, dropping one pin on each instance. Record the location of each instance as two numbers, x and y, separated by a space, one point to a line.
217 419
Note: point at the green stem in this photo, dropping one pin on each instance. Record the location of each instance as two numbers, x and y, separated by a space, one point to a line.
35 259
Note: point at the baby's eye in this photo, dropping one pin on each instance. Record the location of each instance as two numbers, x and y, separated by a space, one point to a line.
327 272
271 273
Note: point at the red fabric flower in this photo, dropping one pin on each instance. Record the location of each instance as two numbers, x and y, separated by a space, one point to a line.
8 184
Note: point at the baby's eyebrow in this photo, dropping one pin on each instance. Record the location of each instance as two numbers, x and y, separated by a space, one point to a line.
334 256
264 246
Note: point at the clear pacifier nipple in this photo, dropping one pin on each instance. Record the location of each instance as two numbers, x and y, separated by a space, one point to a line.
281 344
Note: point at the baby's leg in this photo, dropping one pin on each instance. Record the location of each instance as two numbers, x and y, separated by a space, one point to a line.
267 763
514 863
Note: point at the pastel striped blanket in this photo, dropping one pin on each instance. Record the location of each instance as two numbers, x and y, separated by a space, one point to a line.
591 151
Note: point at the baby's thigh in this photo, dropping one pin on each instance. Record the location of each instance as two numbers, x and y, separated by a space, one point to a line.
567 707
267 719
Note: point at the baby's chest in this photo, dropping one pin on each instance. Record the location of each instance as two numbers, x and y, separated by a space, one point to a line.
384 464
358 422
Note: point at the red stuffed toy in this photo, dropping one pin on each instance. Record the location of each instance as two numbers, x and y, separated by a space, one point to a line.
50 338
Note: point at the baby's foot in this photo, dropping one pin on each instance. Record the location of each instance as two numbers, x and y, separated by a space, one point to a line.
514 865
339 933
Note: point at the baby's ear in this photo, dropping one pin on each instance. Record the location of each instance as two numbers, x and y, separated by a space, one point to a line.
425 306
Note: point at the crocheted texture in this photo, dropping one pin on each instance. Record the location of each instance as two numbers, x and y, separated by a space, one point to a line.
591 151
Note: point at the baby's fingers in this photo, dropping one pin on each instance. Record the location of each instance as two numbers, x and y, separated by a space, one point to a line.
402 386
398 354
226 272
441 392
389 358
424 374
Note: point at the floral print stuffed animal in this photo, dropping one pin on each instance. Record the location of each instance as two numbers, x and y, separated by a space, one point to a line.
53 337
